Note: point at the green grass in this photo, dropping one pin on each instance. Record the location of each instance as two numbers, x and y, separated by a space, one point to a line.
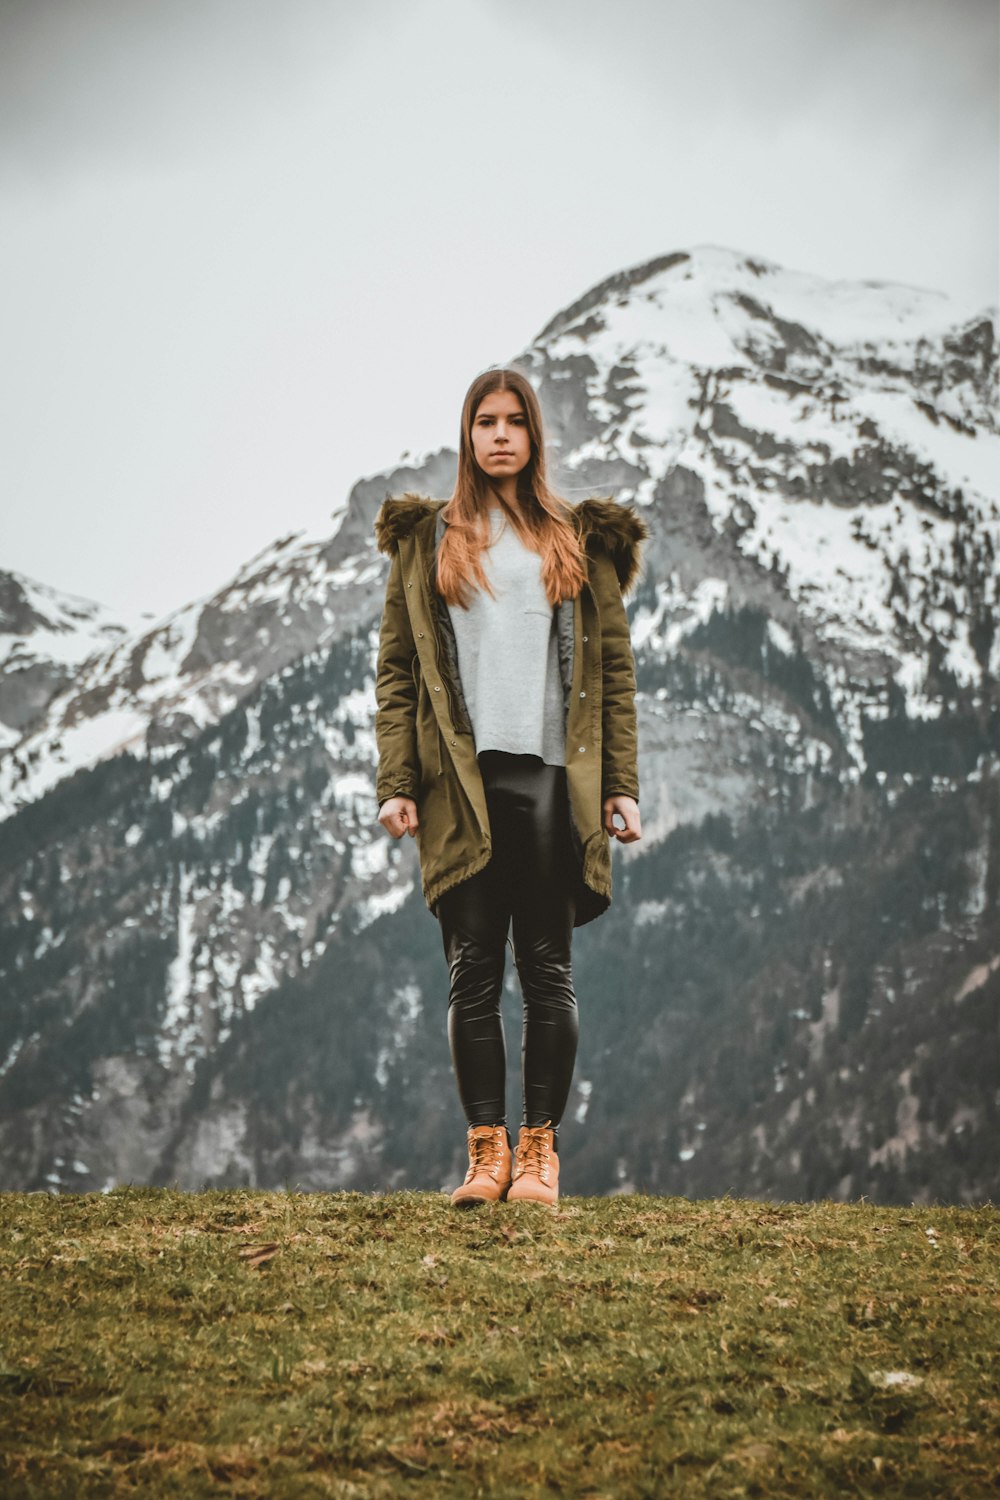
391 1345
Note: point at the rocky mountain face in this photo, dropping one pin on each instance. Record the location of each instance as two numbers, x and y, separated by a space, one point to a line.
217 968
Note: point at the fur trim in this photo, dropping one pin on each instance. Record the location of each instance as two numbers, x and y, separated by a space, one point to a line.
621 531
397 516
616 526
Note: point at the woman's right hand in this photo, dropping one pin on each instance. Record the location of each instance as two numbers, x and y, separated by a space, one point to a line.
398 815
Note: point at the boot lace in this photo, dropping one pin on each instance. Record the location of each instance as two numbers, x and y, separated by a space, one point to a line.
533 1150
486 1151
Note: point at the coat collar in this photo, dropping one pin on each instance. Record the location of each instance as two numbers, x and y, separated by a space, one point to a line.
614 526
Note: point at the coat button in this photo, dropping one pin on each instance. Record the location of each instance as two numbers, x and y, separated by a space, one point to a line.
586 638
436 688
582 693
420 635
409 585
582 749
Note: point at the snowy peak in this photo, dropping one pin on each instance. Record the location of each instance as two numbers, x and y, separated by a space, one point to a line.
712 310
149 690
60 624
826 450
45 637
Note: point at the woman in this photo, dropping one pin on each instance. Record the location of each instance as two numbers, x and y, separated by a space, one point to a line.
506 736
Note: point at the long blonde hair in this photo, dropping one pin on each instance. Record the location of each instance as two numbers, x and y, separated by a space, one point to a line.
541 518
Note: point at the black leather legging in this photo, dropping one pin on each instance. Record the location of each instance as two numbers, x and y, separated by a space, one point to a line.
528 884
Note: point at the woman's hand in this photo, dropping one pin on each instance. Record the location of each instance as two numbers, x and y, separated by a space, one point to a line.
628 808
398 815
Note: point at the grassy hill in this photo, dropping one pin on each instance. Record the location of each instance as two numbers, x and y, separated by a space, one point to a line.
289 1344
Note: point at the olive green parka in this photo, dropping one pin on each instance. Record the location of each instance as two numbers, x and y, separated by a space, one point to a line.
424 736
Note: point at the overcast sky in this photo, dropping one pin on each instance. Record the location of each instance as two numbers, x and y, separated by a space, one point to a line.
253 251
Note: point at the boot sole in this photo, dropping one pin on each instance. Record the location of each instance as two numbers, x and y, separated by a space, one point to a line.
472 1202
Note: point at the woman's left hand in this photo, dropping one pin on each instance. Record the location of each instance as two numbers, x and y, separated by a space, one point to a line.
629 810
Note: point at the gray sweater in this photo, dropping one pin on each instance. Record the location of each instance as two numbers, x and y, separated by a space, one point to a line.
508 658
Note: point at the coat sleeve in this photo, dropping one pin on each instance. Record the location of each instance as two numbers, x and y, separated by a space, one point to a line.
396 696
619 739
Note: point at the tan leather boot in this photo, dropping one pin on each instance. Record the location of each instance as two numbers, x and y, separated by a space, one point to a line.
535 1175
488 1177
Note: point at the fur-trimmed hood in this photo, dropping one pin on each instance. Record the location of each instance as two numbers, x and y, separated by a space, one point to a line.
616 527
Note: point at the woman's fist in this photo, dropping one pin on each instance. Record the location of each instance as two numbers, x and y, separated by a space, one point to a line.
398 815
628 810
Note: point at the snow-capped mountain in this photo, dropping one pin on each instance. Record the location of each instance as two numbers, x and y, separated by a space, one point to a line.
149 690
202 983
45 639
826 452
837 442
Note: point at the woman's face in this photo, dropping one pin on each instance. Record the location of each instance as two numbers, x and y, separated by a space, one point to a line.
500 439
